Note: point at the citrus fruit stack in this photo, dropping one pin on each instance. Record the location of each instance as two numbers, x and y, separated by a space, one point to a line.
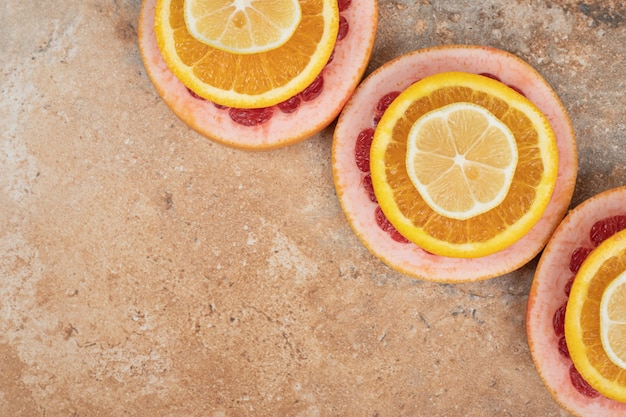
576 318
454 163
597 306
258 74
463 165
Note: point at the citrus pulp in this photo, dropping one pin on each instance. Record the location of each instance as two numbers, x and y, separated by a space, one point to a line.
242 27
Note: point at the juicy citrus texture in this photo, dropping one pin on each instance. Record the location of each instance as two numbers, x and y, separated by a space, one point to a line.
340 78
530 189
583 317
613 320
248 80
242 26
461 158
353 182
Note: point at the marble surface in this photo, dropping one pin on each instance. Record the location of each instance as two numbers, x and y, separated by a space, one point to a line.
146 271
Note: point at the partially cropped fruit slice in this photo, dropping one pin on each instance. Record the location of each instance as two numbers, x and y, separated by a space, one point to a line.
573 243
294 120
242 27
585 322
353 181
248 80
613 321
461 158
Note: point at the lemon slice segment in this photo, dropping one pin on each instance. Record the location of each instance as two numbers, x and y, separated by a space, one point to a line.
613 320
242 26
461 158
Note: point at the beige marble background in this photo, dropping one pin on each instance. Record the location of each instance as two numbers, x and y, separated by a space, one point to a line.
145 271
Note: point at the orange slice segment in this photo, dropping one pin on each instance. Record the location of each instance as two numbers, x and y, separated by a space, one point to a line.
252 80
242 26
600 278
479 234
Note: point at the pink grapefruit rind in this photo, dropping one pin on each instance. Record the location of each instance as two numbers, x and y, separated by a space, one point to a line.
398 74
341 77
546 296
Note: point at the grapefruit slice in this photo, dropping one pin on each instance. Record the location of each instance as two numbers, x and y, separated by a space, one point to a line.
356 126
573 240
269 128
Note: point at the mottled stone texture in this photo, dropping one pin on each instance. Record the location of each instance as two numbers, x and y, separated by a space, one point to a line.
145 271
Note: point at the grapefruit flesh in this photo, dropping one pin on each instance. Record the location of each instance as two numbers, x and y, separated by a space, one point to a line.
549 292
341 76
361 114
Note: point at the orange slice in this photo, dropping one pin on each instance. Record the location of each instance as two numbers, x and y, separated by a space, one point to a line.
584 321
253 80
242 27
481 234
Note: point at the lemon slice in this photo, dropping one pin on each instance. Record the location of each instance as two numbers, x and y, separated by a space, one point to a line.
461 158
613 320
242 26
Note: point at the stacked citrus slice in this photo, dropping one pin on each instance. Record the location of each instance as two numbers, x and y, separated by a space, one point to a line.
595 320
256 74
463 165
454 163
576 309
244 70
